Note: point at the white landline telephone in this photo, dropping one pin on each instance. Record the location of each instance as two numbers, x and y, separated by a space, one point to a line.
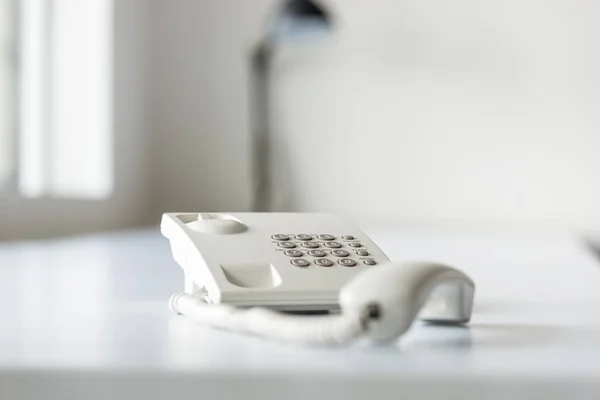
242 270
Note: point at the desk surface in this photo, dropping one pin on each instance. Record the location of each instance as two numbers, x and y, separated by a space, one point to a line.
88 316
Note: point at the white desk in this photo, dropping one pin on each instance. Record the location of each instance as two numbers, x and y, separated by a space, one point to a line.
88 318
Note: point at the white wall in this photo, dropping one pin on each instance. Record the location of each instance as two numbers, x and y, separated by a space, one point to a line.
199 113
454 112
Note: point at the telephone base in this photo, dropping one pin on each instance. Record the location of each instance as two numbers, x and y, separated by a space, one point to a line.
284 261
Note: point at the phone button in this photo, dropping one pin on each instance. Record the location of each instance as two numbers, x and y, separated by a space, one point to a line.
340 253
370 262
293 253
325 236
348 237
287 245
333 245
300 262
303 236
280 236
362 253
310 245
316 253
355 244
323 262
347 262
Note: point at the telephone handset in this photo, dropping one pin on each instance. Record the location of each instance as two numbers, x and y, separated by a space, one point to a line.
242 269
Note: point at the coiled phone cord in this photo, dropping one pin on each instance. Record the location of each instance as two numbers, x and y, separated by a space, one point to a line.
259 321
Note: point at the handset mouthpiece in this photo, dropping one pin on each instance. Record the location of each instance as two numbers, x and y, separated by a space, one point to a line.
396 293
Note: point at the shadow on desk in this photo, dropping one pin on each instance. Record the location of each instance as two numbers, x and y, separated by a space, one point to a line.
482 335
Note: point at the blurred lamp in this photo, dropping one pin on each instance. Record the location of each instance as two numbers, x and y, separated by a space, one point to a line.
295 20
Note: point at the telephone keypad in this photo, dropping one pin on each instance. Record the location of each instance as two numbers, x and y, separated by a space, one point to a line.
302 244
300 262
323 262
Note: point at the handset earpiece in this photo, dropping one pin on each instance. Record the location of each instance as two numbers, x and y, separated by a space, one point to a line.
391 296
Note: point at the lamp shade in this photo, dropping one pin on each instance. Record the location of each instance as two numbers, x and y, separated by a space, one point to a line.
299 19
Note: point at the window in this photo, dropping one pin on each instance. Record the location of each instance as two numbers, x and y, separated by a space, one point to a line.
56 117
57 129
65 120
